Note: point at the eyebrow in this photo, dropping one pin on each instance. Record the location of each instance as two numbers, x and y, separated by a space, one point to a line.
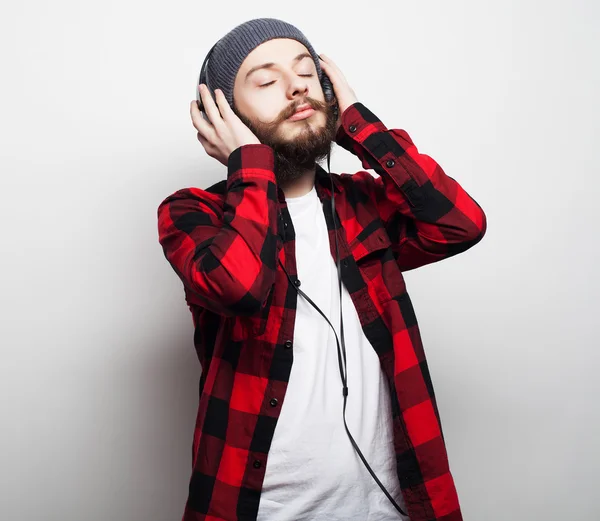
269 65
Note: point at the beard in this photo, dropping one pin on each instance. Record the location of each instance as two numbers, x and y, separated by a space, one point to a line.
294 156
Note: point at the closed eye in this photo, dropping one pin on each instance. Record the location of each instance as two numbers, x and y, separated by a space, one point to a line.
271 82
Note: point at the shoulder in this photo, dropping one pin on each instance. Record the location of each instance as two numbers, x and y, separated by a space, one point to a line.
210 198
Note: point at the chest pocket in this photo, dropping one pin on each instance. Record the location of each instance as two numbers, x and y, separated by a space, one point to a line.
372 247
376 263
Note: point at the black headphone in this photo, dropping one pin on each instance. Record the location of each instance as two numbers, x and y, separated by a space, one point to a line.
329 95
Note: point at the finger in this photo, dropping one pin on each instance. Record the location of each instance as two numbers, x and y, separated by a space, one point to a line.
330 67
223 105
328 61
195 110
207 144
200 124
331 74
209 105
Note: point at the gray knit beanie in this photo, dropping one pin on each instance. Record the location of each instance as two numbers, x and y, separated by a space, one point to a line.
227 55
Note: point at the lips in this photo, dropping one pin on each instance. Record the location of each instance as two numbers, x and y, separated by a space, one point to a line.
302 112
302 107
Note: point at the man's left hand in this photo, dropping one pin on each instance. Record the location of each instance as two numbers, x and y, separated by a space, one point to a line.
344 94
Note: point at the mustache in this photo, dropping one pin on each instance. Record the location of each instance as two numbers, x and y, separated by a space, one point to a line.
270 128
291 110
267 130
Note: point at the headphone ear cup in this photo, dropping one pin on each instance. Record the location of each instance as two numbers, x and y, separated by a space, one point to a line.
201 105
199 101
203 79
327 87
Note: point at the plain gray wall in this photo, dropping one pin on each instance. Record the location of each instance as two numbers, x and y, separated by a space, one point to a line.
99 377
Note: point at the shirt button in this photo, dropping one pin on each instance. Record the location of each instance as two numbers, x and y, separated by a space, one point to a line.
285 225
390 163
273 402
257 464
352 128
297 282
288 344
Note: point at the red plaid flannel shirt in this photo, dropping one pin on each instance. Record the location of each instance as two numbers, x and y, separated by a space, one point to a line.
224 243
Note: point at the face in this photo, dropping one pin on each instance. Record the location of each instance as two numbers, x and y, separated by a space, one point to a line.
265 98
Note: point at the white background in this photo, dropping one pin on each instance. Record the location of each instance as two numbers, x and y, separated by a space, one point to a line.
99 378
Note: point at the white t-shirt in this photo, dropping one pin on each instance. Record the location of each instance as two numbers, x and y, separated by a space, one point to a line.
313 472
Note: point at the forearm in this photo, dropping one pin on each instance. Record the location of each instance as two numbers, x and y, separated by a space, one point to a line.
226 257
428 215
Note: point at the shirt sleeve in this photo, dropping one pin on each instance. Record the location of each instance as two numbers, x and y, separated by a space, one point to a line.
225 254
427 214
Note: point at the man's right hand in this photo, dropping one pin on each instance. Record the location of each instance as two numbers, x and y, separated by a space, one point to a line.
224 132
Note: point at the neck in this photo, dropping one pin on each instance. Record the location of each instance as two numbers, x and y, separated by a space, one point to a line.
300 183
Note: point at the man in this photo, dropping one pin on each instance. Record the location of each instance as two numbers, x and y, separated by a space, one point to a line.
270 440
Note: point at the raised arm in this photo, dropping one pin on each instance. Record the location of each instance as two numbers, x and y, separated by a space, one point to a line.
226 256
428 215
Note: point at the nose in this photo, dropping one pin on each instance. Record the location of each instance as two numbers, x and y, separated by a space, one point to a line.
298 88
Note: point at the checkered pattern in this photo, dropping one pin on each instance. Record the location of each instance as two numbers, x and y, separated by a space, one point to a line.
225 243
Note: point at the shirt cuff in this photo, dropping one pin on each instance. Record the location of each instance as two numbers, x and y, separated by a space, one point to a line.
252 159
354 119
